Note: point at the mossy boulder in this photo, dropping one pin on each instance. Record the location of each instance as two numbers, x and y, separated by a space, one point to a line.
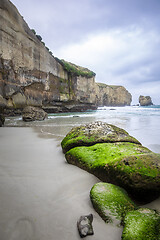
141 224
97 132
126 164
111 202
114 156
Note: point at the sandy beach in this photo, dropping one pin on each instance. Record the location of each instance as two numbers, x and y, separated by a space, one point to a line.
42 196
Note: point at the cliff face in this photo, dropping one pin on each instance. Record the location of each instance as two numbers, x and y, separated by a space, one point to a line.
113 95
30 75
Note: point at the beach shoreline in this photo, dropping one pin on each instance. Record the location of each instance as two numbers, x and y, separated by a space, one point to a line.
41 196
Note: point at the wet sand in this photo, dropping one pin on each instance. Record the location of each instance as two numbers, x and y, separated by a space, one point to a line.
41 196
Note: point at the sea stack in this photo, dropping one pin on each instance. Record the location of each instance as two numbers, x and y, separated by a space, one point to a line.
145 101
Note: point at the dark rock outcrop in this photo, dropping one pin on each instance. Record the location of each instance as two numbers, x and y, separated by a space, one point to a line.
2 106
145 101
84 225
33 114
2 119
114 157
31 75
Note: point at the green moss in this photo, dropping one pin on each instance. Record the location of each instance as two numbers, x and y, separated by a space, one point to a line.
76 70
87 136
103 155
112 155
142 224
77 138
128 165
111 202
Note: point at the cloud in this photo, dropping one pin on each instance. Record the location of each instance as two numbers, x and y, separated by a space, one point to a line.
119 51
65 22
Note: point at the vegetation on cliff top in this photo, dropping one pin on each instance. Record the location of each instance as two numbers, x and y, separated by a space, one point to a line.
75 70
103 85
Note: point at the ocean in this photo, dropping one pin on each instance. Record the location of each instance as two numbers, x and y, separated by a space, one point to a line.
141 122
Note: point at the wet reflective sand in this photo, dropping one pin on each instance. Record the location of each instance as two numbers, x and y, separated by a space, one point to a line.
41 196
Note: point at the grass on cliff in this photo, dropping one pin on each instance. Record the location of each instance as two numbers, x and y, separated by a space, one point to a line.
76 70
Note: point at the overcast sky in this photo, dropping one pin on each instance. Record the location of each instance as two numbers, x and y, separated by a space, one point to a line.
117 39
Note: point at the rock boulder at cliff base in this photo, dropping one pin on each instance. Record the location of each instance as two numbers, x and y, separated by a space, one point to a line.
33 114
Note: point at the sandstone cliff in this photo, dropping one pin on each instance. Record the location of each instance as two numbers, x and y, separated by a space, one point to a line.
110 95
31 75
